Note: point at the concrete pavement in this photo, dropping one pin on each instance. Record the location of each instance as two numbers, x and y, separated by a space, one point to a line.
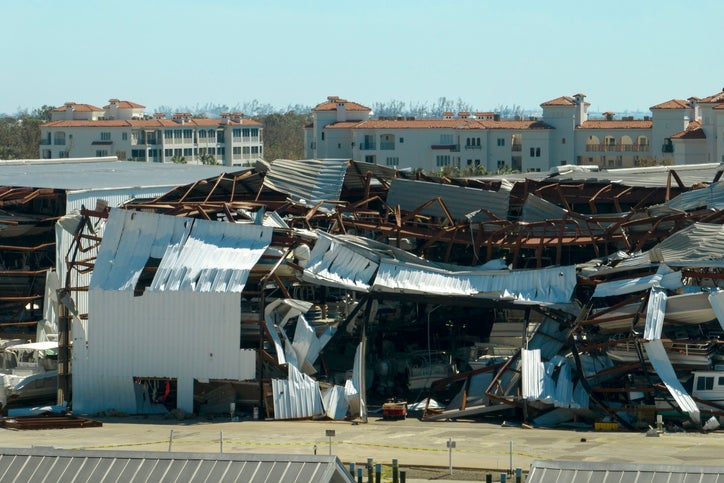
482 446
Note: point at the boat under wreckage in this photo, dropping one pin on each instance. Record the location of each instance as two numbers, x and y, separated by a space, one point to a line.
29 372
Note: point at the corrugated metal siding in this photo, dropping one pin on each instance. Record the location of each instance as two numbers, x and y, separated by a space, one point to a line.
75 200
547 285
183 335
333 263
536 208
611 471
196 255
356 177
698 242
708 196
311 180
459 200
297 397
83 465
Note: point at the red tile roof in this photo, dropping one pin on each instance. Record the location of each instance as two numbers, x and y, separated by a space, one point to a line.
692 131
438 124
159 123
125 105
616 124
672 104
560 101
78 108
713 99
719 106
332 101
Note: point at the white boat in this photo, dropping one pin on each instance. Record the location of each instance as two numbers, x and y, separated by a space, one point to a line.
680 352
709 386
28 372
684 309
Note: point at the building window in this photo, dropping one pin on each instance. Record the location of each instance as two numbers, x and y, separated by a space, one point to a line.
219 136
188 133
255 150
370 159
537 152
402 140
105 136
121 155
124 136
563 141
59 138
501 141
188 152
393 161
501 164
236 132
168 153
202 133
168 134
138 154
446 138
322 135
254 132
101 152
470 162
236 150
177 152
442 160
63 154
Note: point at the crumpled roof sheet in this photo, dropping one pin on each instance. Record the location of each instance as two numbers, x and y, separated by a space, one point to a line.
536 208
709 196
307 181
195 255
339 262
546 285
459 200
297 397
698 242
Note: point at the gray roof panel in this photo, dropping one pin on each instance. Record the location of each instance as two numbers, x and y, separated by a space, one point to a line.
103 173
48 464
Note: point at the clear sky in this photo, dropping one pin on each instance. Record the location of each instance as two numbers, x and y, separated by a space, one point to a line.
624 55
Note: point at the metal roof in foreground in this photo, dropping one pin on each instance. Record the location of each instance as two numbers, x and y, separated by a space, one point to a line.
49 464
102 173
590 472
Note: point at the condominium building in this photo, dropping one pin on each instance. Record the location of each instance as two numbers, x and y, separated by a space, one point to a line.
677 132
121 128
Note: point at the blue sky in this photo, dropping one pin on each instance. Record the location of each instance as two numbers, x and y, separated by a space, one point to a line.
624 55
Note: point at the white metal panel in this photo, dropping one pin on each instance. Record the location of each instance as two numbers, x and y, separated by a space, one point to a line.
662 365
306 345
296 397
549 285
695 243
214 257
196 255
664 277
335 404
655 312
532 374
180 335
333 263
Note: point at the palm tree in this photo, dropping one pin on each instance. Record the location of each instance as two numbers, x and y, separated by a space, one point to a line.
179 159
207 158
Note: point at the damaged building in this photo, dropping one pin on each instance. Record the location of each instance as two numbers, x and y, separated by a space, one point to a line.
319 288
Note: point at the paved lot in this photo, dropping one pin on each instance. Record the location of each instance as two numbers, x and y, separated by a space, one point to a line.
478 445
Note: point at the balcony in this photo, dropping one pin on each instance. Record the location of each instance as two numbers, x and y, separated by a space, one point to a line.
471 146
667 148
388 146
59 142
453 148
367 146
619 148
516 147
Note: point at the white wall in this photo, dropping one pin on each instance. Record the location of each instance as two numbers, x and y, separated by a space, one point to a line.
182 335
